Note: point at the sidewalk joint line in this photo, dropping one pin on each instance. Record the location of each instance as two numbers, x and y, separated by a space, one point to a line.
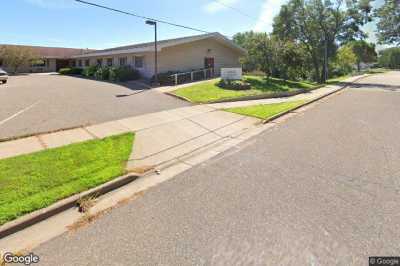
44 145
191 139
90 133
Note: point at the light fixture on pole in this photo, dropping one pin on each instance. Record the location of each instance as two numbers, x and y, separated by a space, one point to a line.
154 23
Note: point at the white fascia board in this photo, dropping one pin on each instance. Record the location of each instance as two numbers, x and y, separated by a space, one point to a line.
117 52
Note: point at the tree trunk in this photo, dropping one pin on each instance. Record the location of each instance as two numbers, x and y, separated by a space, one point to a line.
316 69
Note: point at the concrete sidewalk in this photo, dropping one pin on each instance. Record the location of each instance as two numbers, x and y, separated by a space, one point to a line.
161 136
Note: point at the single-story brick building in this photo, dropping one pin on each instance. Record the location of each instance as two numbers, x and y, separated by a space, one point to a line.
182 54
50 59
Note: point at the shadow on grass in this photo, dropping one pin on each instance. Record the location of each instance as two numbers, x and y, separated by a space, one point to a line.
274 84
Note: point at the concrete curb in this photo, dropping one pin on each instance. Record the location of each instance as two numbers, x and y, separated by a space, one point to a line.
62 205
43 133
262 96
312 101
179 97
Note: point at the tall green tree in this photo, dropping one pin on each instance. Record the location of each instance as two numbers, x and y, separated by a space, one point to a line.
249 40
274 57
346 59
365 52
319 25
17 56
390 58
388 26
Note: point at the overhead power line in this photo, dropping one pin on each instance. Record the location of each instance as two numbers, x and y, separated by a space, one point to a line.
235 9
142 17
239 11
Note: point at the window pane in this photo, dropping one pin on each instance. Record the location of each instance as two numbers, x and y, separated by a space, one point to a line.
138 61
109 61
122 61
100 62
80 63
38 63
87 62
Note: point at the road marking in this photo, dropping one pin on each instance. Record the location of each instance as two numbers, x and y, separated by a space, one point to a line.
18 113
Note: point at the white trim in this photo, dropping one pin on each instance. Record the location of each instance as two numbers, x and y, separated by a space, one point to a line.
150 48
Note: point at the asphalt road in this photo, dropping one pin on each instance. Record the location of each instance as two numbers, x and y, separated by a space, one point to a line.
39 103
320 189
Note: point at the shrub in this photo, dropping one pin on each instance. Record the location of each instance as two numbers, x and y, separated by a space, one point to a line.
123 73
113 74
126 73
102 73
234 84
165 78
70 71
89 71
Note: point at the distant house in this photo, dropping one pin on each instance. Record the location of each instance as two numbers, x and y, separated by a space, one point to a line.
50 59
182 54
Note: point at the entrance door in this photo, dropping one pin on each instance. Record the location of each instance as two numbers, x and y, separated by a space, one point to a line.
209 62
61 63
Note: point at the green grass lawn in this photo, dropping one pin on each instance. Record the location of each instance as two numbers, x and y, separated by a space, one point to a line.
34 181
209 91
265 111
340 79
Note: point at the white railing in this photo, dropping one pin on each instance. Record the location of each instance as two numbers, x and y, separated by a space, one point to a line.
175 77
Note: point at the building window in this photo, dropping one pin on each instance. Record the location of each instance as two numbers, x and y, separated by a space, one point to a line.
79 63
138 61
123 61
99 62
38 63
73 63
1 62
109 62
87 62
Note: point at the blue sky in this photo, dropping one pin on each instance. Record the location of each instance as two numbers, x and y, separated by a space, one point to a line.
70 24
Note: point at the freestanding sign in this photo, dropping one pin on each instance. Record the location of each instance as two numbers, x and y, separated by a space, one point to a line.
231 73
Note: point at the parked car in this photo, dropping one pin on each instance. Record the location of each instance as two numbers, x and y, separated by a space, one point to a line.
3 76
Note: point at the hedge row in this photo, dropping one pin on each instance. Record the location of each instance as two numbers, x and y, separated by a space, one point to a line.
123 73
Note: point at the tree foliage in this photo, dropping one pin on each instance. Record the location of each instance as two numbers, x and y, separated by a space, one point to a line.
17 56
274 57
390 58
319 25
364 52
345 59
388 25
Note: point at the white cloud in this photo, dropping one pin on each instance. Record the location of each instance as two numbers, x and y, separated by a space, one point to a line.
269 10
214 6
52 3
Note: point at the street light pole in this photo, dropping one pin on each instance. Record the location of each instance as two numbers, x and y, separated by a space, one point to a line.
154 23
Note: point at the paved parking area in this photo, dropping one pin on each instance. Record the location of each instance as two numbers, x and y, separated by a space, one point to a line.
38 103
